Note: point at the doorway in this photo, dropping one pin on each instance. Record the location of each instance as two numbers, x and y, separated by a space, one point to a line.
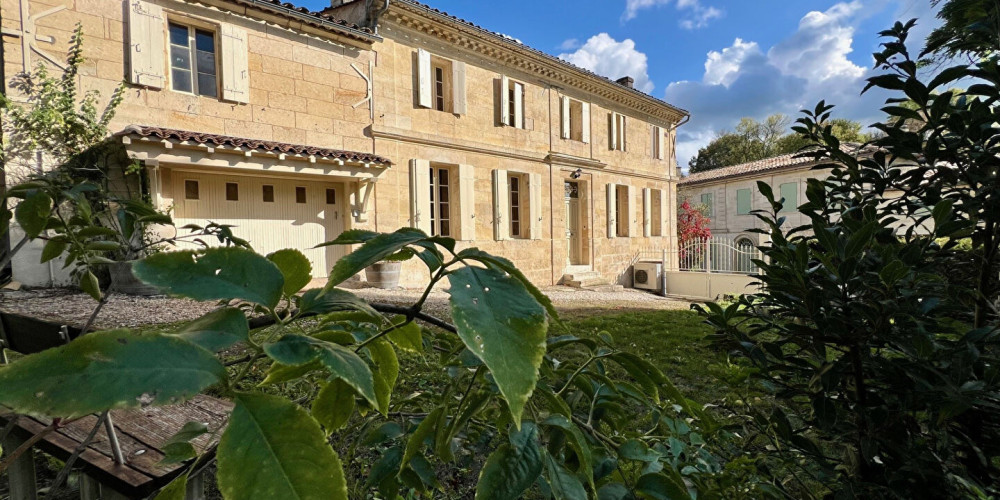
574 235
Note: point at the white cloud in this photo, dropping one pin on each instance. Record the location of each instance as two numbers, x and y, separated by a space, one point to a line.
608 57
809 65
697 15
571 44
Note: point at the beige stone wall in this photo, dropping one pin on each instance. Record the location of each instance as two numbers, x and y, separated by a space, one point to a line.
302 87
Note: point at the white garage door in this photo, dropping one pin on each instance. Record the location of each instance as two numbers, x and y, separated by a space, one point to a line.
272 214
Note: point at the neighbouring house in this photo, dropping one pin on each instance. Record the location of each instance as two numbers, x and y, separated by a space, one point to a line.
296 125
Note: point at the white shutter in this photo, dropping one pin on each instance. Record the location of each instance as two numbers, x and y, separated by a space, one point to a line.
612 210
535 205
467 202
665 213
424 78
518 105
147 46
565 117
420 195
586 122
622 126
660 144
458 92
613 131
505 100
235 66
630 212
647 212
501 205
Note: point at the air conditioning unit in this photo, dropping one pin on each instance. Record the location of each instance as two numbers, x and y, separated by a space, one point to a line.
647 275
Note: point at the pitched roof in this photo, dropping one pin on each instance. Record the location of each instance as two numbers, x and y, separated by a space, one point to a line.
317 19
753 168
202 138
513 41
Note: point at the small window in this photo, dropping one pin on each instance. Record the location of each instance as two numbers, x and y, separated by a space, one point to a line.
191 190
331 196
743 204
514 114
709 203
622 217
790 193
440 201
439 88
300 194
616 132
193 66
232 191
515 206
268 194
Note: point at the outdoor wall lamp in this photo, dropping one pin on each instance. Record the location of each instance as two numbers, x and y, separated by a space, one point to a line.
577 174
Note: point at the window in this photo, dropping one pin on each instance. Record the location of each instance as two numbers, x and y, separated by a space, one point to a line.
232 191
790 193
439 88
515 206
268 194
656 212
191 190
440 202
708 200
331 196
512 103
575 120
659 143
743 204
616 132
193 60
300 194
622 217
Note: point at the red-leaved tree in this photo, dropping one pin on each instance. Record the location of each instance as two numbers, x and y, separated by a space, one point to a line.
692 224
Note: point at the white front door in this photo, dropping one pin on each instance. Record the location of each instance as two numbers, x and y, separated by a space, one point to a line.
573 235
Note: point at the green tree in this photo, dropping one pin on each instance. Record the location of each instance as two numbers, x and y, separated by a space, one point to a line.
969 28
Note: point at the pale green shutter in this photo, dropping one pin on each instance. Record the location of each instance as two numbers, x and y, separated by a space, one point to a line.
790 193
706 199
743 205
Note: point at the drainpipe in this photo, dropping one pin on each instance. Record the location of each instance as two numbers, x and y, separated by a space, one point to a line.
7 272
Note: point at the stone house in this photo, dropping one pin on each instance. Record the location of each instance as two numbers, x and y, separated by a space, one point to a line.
295 126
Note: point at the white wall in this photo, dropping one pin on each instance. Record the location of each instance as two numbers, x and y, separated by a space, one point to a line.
26 266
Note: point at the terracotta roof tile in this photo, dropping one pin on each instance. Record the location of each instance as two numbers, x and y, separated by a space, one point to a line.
786 161
252 144
318 19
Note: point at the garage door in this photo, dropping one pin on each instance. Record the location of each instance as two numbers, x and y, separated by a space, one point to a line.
272 214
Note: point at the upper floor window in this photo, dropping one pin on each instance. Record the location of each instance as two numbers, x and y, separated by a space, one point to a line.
511 103
616 132
575 120
659 143
193 65
440 201
707 199
743 204
440 83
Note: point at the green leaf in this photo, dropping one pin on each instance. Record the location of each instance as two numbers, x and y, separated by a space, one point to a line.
350 237
217 273
103 246
127 369
295 267
634 449
556 403
504 326
565 486
509 267
386 467
176 490
175 453
342 363
385 373
32 214
90 285
386 432
579 443
272 448
333 405
512 468
217 330
612 491
279 373
423 431
661 487
320 301
372 251
53 249
408 337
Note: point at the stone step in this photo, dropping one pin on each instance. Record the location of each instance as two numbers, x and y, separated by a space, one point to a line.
580 276
604 288
588 282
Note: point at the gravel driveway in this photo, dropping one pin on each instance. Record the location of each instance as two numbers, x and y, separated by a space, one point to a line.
122 311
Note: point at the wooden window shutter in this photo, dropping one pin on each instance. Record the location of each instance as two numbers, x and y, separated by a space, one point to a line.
424 78
235 65
518 105
420 195
458 92
612 211
467 202
565 117
665 211
147 44
630 213
612 131
624 129
586 122
505 100
661 145
501 205
535 205
647 212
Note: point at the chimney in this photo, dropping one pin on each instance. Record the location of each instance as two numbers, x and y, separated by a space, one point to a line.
626 81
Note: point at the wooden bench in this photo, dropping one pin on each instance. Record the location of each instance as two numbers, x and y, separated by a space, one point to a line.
136 436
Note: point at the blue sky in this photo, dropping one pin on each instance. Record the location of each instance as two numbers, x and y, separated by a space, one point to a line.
719 59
